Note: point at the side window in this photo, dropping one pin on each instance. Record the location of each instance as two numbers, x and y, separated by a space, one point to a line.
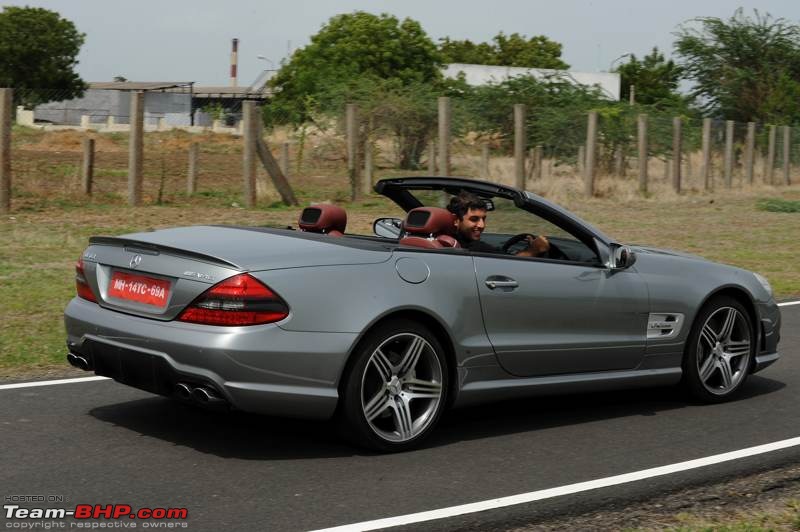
507 220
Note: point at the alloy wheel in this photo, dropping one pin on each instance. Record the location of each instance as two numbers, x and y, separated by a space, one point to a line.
723 350
401 387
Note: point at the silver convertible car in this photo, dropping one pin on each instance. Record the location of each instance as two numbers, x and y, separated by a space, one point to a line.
385 332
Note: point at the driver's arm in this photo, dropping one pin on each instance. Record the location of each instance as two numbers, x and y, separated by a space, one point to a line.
536 247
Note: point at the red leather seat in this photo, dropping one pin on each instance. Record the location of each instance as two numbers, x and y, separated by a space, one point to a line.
323 218
429 227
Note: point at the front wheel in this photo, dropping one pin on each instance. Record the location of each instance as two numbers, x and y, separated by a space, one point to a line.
719 351
395 390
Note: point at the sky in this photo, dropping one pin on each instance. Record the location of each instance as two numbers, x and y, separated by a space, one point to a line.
180 40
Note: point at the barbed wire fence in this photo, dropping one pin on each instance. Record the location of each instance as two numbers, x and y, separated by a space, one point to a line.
193 148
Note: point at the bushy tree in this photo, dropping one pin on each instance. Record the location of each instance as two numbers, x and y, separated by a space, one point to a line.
352 47
656 79
556 110
507 50
744 68
39 50
406 113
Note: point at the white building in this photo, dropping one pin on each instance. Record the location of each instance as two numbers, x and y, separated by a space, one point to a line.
608 82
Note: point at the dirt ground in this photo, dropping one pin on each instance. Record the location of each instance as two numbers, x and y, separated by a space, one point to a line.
765 501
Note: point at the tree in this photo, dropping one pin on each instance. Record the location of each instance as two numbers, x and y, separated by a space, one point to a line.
556 110
656 79
39 50
506 50
354 46
744 69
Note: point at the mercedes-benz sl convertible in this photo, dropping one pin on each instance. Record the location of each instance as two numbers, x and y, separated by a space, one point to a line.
387 331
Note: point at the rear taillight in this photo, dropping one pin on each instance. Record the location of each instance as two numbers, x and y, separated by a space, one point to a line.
84 291
239 300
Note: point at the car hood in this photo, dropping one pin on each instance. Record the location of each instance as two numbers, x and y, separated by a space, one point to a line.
668 252
254 249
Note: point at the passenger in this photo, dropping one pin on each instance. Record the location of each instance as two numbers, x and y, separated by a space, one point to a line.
470 211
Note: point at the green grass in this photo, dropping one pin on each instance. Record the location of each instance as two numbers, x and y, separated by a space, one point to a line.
778 205
110 172
785 516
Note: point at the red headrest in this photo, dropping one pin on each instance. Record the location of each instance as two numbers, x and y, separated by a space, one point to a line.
429 221
323 218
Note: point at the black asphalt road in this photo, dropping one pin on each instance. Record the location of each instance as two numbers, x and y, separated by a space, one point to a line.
103 443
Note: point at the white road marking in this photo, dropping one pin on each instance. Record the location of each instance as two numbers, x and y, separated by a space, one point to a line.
50 383
532 496
788 303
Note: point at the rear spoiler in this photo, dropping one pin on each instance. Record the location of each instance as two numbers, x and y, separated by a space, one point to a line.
148 248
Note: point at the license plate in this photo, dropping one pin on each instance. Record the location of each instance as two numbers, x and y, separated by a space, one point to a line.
139 288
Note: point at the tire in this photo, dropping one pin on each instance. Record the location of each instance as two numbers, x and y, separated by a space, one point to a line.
719 351
395 389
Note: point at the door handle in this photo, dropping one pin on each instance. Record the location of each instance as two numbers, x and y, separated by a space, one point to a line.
493 283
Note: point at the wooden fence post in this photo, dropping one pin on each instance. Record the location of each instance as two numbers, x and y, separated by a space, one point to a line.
87 166
749 152
6 99
249 152
787 155
432 158
688 165
642 141
537 159
619 162
708 181
677 144
352 147
444 136
485 160
367 182
136 148
285 159
191 175
531 163
769 174
728 153
591 152
519 145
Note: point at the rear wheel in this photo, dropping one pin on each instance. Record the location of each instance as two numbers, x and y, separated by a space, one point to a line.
719 350
395 390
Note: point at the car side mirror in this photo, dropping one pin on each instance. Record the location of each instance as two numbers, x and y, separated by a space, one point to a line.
624 257
388 227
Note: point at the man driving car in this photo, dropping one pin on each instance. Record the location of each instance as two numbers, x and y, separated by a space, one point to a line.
470 211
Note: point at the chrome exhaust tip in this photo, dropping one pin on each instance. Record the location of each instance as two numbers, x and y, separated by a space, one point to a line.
79 362
183 391
82 363
206 397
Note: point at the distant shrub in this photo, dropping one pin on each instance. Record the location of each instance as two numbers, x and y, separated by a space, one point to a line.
778 205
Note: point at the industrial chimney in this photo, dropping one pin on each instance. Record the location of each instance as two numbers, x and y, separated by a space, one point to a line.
234 61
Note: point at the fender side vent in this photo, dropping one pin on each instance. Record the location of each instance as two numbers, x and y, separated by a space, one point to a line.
664 325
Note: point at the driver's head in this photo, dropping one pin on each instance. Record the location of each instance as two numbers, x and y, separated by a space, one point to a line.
470 211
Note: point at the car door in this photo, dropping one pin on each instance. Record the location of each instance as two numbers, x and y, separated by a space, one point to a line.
546 317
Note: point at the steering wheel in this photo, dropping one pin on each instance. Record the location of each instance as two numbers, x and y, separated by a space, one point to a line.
552 253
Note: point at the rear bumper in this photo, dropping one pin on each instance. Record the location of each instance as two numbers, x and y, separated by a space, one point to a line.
262 369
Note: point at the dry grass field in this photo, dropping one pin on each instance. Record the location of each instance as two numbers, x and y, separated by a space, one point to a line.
51 221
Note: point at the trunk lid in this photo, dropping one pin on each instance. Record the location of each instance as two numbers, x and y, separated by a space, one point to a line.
157 274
